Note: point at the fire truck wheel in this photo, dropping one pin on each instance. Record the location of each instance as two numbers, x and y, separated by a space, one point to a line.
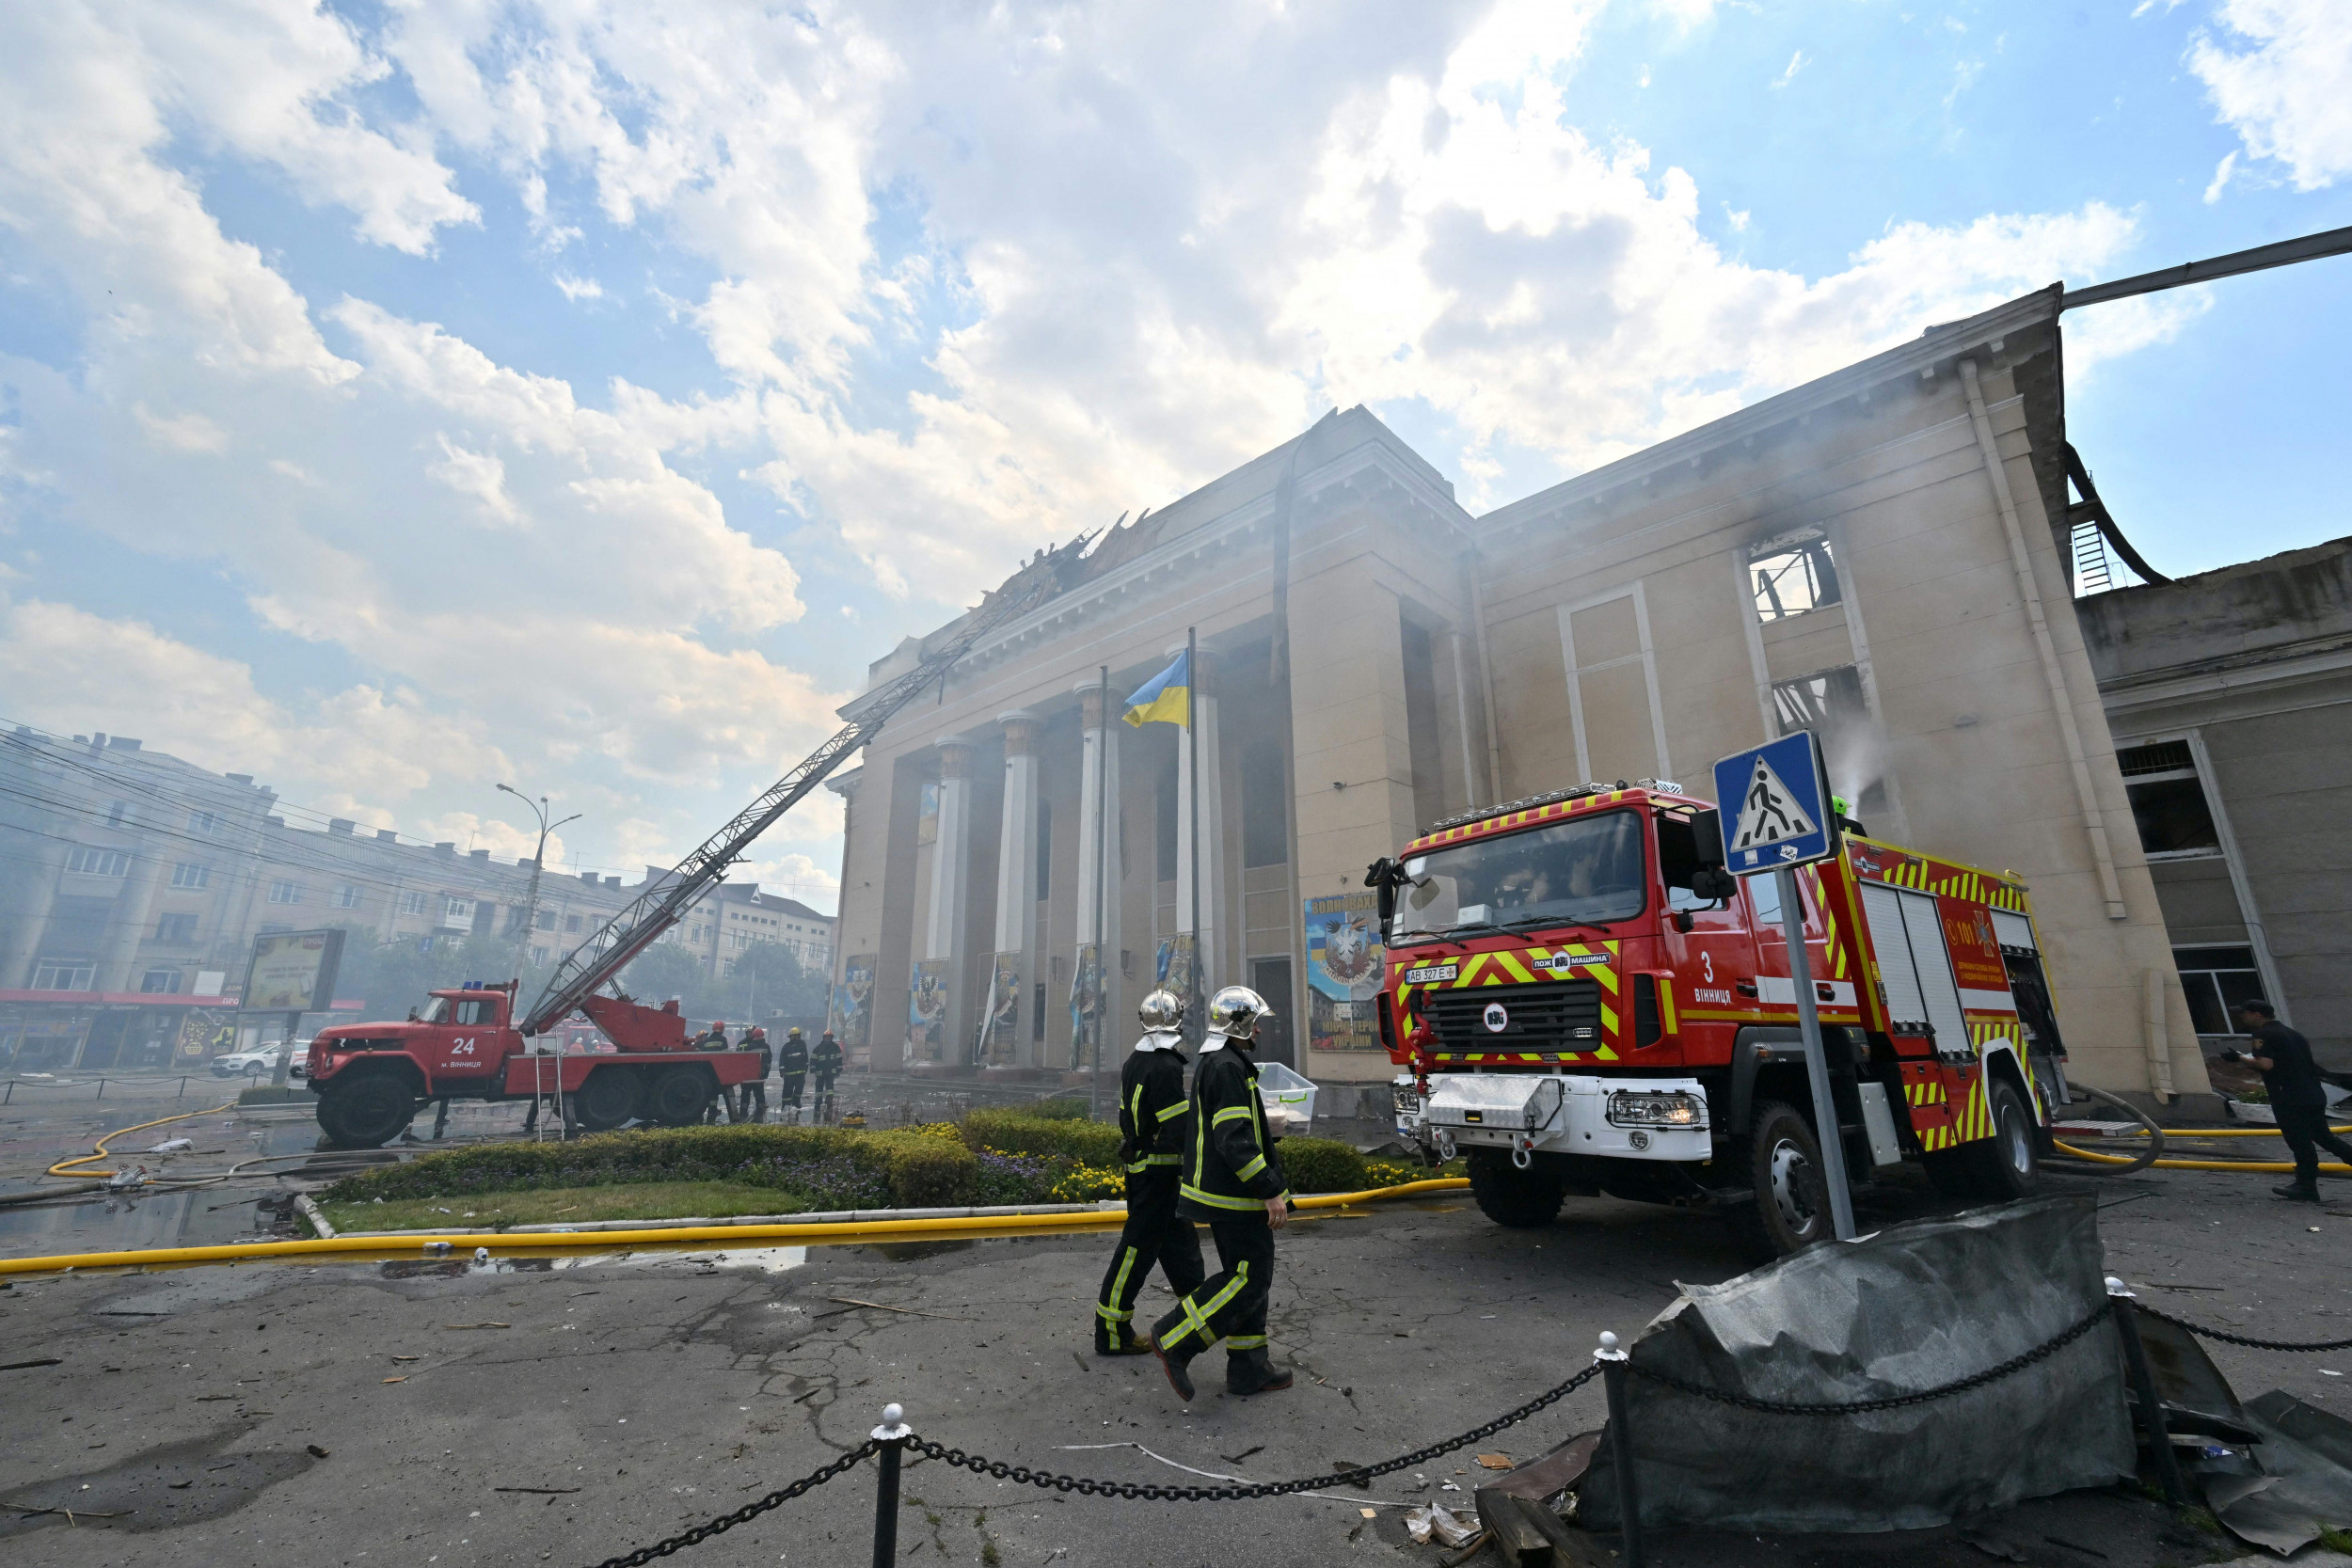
2006 1166
607 1099
679 1096
1792 1207
1523 1200
366 1111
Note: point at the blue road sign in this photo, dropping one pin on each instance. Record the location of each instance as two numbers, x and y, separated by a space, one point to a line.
1775 805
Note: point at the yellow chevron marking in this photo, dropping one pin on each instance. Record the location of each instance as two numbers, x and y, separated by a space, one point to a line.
1509 963
1471 966
1666 1004
1608 1021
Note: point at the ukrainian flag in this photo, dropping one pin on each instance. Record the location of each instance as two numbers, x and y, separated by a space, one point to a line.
1166 697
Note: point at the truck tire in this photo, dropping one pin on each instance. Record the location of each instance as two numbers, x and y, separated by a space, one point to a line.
681 1096
1791 1208
367 1110
2007 1166
1523 1200
608 1097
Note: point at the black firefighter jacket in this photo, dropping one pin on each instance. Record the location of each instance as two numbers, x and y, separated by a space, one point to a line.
1230 1166
1152 1107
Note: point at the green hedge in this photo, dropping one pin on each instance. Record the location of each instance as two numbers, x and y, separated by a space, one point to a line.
906 1169
1323 1165
1021 1131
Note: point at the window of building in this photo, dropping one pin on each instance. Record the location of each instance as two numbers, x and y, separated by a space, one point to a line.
1830 702
412 903
96 863
176 928
2168 800
571 923
546 920
2216 980
346 895
1265 808
285 892
456 911
203 822
64 974
118 813
1615 715
541 955
186 875
1793 574
164 982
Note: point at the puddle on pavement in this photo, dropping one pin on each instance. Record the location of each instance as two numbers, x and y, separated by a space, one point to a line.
178 1484
907 1252
777 1259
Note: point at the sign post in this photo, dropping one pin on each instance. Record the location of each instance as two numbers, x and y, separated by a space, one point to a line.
1777 814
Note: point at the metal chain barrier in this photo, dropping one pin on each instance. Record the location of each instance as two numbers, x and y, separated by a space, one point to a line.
749 1512
2228 1338
1892 1401
1148 1491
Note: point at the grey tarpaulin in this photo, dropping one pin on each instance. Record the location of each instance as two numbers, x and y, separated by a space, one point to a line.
1908 1308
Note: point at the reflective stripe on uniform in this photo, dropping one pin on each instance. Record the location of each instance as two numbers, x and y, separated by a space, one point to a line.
1250 1169
1197 1318
1106 1310
1228 1113
1177 1109
1213 1202
1245 1341
1158 1159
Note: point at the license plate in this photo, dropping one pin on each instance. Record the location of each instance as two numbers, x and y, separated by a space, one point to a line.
1431 974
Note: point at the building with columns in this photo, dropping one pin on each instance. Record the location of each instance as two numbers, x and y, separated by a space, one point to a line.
1878 555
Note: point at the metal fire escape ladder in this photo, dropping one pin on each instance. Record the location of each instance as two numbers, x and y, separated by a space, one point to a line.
598 960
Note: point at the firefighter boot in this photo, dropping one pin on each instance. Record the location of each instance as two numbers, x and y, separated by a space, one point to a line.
1174 1363
1249 1372
1119 1339
2298 1192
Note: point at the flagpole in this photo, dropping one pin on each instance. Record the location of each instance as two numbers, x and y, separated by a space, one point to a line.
1199 979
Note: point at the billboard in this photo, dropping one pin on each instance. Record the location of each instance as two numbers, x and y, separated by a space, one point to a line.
927 1012
293 971
1344 964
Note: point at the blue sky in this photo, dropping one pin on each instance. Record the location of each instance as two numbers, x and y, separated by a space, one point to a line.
397 400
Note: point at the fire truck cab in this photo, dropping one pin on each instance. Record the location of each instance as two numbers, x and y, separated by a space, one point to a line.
1587 1002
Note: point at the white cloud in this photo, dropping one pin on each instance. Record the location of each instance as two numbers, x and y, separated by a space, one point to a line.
2282 78
578 289
189 432
2220 180
479 475
1796 63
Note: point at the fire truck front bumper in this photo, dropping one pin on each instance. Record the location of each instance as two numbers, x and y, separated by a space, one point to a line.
1529 1113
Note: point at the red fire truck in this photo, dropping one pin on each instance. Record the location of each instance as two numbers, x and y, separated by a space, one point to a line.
1589 1002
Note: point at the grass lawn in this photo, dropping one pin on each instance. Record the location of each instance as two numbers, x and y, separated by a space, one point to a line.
648 1200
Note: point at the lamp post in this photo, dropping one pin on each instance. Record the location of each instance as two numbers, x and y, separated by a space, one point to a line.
531 921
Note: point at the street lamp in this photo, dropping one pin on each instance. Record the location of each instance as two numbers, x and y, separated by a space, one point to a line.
531 921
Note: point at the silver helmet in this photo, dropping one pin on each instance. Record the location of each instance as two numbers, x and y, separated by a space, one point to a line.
1234 1012
1162 1011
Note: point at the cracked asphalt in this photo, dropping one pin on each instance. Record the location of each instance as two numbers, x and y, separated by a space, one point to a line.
571 1410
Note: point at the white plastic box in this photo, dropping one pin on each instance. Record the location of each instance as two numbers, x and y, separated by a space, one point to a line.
1289 1100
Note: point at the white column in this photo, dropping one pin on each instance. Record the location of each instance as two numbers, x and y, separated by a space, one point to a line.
1016 882
944 935
1099 760
1212 827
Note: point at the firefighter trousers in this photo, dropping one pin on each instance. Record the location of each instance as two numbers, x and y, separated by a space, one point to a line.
2303 1123
1230 1304
791 1093
823 1107
1153 1235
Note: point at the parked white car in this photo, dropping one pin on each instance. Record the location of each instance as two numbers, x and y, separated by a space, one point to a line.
241 1064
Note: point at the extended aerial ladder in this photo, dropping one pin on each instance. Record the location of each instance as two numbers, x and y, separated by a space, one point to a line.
597 961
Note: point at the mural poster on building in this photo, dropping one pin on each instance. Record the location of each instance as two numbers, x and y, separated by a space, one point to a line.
1004 1010
927 1012
927 814
1173 969
852 1019
1345 963
1085 1002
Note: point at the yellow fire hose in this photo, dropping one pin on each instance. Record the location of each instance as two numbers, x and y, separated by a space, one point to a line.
612 1241
64 1169
2263 1165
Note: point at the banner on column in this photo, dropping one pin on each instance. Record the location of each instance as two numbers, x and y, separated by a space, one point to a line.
1002 1028
927 1012
853 1015
1176 970
1086 1004
927 814
1344 964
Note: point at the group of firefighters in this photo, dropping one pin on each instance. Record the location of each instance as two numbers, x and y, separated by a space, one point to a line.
792 1060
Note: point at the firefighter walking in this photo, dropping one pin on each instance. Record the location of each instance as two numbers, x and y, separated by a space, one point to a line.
824 1065
1232 1178
793 1064
1151 1127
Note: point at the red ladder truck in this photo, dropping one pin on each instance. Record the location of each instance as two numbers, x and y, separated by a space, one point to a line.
1589 1002
467 1043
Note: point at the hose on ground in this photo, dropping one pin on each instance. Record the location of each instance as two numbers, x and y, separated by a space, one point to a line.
2118 1164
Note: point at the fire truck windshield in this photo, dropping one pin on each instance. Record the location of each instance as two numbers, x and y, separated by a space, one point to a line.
1586 871
434 1011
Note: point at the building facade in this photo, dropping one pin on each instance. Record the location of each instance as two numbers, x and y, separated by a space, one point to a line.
1876 556
2230 695
732 918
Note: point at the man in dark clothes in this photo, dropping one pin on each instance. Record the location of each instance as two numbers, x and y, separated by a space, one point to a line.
1232 1179
824 1065
753 1095
792 1062
2297 1096
1152 1129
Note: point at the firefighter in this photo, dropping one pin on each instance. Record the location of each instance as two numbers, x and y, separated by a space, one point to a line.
715 1038
2297 1095
1232 1178
792 1062
755 1093
1151 1106
824 1063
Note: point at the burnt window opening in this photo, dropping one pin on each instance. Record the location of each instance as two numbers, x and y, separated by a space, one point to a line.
1792 575
1831 704
1423 747
1037 1011
2217 981
2167 799
1264 806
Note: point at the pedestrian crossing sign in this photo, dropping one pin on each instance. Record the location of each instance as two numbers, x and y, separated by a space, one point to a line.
1775 806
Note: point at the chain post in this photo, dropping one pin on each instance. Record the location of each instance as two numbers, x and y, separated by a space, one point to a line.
1612 1362
892 1437
2119 1301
